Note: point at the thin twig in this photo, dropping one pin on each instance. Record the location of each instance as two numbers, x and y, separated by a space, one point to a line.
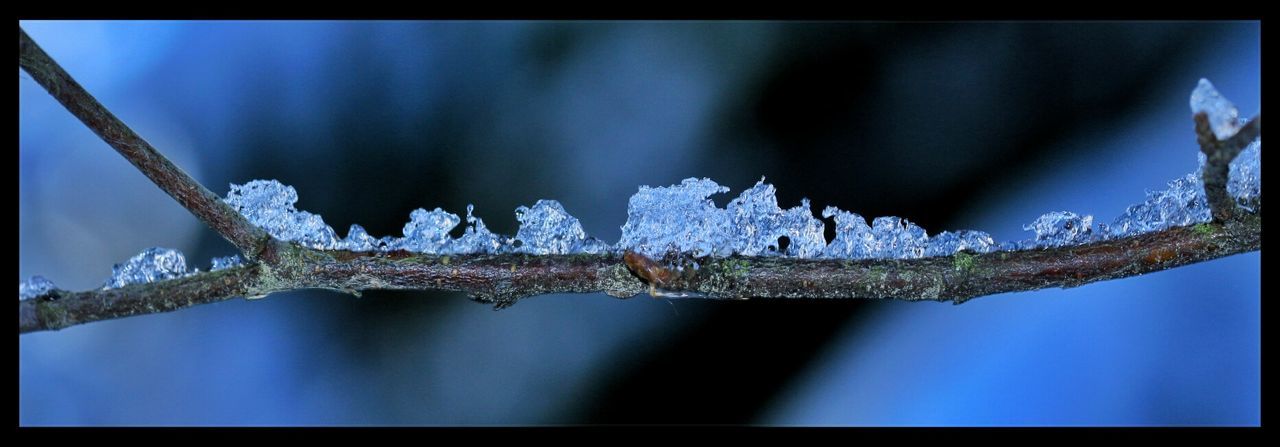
61 308
206 205
503 279
1218 157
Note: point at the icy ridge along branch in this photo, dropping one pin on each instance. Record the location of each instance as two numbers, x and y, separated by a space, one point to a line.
505 278
502 279
206 205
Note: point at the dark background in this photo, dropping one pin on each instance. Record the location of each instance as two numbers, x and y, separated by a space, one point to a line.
951 125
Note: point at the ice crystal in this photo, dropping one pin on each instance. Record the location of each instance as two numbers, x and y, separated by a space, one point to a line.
33 287
1060 228
677 218
1183 203
757 224
359 240
153 264
948 243
225 262
897 238
269 204
1224 119
853 235
1015 245
1245 180
887 237
682 218
803 230
428 232
754 218
547 229
478 238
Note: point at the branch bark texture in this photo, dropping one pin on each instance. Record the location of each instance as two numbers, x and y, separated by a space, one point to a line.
501 280
193 196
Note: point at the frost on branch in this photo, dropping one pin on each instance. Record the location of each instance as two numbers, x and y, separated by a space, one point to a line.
683 219
427 232
269 204
153 264
676 218
679 218
1183 202
947 243
360 240
853 236
757 225
478 238
895 237
1245 180
33 287
225 262
1061 228
547 229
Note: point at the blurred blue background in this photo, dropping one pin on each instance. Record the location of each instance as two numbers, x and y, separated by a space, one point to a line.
954 126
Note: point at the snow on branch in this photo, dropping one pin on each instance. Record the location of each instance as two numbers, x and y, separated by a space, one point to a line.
676 242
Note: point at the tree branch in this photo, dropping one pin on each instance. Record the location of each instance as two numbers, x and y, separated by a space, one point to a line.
503 279
206 205
60 308
1218 157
